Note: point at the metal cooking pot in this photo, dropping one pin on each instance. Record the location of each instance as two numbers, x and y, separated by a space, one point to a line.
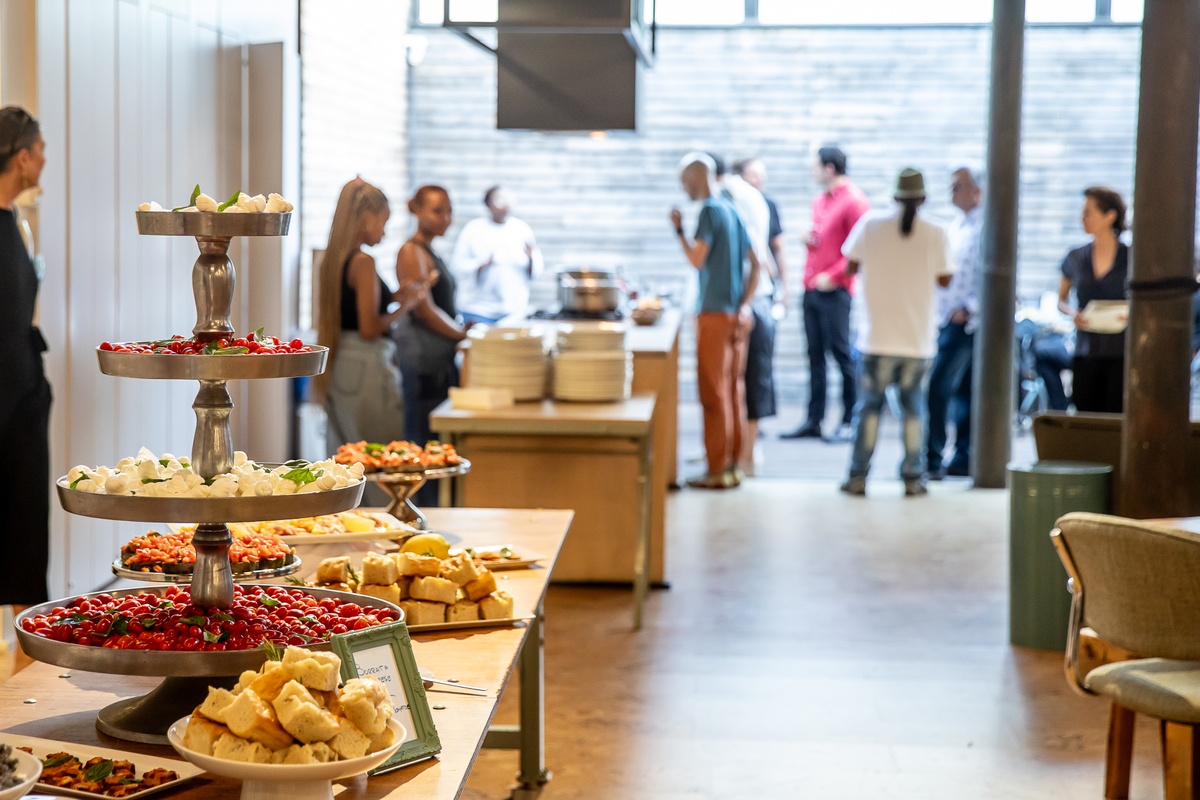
590 290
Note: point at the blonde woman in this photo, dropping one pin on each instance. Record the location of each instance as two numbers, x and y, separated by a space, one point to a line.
360 387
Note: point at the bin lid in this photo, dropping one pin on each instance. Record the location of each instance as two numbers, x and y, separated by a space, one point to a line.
1061 468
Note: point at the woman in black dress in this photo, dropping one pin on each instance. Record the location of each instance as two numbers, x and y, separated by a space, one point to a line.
1097 271
428 341
24 392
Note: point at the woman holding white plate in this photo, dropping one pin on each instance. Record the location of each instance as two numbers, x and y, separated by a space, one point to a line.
1098 273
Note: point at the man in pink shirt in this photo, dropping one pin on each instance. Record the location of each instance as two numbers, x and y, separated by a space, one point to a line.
827 291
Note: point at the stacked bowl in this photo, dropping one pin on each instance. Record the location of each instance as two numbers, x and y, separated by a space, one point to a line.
591 363
508 358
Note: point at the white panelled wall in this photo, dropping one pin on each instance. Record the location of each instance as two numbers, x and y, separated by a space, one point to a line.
139 101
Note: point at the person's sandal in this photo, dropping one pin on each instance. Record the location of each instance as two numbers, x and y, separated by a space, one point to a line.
721 481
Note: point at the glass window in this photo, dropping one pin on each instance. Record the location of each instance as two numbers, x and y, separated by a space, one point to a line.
430 11
1127 10
873 12
700 12
1060 10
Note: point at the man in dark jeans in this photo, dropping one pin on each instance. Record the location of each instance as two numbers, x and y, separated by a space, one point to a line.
827 291
957 308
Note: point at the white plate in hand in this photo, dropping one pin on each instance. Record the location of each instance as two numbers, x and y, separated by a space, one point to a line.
1106 316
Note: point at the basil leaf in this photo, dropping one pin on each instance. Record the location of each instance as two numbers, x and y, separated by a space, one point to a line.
167 604
211 637
259 335
302 475
194 620
148 623
226 351
296 462
74 619
268 601
308 620
127 781
224 617
120 626
195 196
100 771
154 533
153 480
57 761
232 201
83 477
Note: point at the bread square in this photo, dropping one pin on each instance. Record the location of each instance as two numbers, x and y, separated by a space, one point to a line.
349 742
404 584
249 717
202 733
301 715
422 612
498 605
235 748
481 587
215 704
379 569
462 611
367 704
271 678
439 590
313 668
334 570
412 564
461 569
390 592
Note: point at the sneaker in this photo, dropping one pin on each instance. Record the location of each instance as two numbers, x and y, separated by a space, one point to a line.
808 430
722 481
844 433
856 486
935 474
915 488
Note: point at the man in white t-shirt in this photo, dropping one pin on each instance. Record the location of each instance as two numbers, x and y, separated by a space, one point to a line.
494 260
902 260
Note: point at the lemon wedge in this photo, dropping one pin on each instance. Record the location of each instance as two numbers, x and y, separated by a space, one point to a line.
356 523
427 544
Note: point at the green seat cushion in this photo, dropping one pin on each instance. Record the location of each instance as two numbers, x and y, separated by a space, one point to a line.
1157 687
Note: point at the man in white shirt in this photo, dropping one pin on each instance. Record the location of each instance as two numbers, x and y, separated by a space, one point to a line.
494 260
958 316
901 259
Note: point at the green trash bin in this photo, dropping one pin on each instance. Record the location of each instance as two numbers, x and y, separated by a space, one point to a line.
1039 493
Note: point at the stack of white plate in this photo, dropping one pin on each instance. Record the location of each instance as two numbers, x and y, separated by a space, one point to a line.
593 376
591 336
508 358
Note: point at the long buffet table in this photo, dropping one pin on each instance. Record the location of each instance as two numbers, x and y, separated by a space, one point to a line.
66 702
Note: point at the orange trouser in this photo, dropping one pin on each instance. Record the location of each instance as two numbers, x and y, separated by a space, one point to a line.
721 341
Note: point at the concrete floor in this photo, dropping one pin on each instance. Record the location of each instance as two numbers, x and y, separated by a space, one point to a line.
814 645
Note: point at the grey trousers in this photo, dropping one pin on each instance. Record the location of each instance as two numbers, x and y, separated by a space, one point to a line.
363 401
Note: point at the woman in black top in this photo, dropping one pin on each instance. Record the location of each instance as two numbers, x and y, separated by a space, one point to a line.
428 343
24 391
360 386
1097 271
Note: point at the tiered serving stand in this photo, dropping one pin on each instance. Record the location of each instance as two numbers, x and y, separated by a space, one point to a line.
401 486
188 674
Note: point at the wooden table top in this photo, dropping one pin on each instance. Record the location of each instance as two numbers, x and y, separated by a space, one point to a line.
66 707
550 417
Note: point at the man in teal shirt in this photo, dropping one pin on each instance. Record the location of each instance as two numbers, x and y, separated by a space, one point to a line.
719 250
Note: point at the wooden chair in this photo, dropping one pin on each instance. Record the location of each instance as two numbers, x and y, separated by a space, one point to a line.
1138 587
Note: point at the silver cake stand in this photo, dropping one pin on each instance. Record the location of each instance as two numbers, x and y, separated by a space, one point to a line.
188 674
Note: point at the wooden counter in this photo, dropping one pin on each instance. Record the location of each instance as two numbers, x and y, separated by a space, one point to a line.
66 706
655 351
594 458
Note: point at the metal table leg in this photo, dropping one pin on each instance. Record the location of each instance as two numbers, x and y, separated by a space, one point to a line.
641 558
529 737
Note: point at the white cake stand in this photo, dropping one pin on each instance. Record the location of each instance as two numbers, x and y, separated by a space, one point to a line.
285 781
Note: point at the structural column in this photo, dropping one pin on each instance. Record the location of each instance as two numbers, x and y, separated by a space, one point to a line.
1155 437
992 390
